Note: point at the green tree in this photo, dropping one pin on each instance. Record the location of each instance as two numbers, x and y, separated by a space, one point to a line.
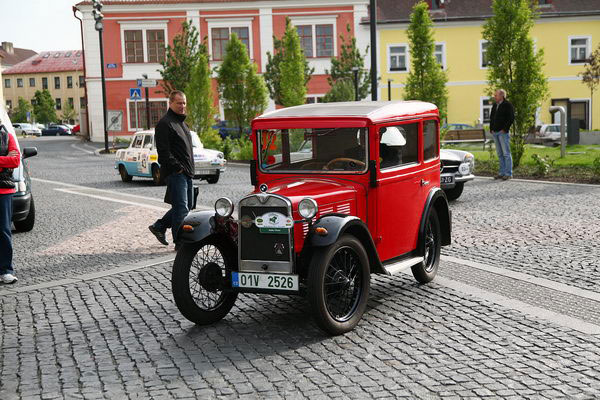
19 114
287 72
68 113
342 73
591 74
180 59
243 92
515 66
200 107
426 81
44 107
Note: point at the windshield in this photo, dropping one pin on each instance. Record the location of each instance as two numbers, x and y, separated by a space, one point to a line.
196 143
313 149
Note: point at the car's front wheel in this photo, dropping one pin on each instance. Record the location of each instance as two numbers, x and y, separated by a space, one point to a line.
432 244
455 192
212 179
338 285
125 177
201 276
26 224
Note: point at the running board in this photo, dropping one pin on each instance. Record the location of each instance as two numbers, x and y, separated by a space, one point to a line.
395 268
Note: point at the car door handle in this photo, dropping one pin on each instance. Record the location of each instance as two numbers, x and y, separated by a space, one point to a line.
424 182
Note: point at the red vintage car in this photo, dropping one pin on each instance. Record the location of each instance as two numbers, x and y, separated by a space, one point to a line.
342 191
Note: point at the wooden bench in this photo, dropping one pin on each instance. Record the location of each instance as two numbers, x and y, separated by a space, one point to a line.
465 136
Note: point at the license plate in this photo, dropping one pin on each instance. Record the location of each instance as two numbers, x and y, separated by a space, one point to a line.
446 179
264 281
204 171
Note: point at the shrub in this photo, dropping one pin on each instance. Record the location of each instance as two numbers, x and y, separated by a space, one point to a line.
542 164
596 166
242 149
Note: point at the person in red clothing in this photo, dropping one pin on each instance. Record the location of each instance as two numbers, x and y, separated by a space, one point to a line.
9 159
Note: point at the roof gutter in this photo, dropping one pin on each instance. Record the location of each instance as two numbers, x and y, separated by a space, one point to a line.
87 115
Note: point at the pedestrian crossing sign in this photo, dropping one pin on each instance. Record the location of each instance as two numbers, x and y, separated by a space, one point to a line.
135 93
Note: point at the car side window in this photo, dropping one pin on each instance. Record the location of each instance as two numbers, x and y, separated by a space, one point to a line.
397 150
137 141
147 142
430 147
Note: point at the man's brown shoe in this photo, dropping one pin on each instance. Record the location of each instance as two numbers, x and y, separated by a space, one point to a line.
159 235
499 177
506 177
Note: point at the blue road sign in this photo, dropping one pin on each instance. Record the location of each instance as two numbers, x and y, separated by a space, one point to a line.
111 66
135 93
139 83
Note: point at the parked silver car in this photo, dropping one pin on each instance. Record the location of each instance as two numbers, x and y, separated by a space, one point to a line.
22 128
457 168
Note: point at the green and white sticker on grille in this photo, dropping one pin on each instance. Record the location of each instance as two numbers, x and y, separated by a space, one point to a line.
273 222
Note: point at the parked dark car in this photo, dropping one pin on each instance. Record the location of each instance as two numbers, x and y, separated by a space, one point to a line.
56 130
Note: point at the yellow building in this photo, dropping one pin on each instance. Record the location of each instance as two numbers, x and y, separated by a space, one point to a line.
568 31
60 72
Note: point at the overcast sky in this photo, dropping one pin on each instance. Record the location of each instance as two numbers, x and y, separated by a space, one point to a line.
40 25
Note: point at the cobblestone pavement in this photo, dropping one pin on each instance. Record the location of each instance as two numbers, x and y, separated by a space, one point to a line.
513 313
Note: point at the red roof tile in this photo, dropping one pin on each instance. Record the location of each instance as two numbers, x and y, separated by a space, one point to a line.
49 61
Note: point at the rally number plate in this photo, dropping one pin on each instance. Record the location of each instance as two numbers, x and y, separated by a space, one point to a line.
264 281
446 179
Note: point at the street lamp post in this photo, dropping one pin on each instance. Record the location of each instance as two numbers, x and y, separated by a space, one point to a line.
355 72
98 17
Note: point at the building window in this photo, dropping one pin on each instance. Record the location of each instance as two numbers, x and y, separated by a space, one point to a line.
82 102
440 54
305 34
220 38
81 81
579 49
157 110
314 99
156 45
9 104
58 103
69 82
57 82
486 109
71 102
44 83
31 82
7 83
134 49
398 58
316 37
435 4
483 54
19 82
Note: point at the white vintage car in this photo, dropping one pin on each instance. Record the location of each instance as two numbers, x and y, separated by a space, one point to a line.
141 159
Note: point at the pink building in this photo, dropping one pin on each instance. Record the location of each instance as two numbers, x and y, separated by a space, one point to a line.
137 31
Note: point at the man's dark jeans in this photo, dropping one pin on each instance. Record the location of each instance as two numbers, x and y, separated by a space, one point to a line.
6 249
181 189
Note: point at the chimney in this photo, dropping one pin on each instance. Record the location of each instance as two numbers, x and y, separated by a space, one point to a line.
8 47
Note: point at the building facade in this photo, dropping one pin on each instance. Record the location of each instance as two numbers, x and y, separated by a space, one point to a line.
60 72
567 30
136 33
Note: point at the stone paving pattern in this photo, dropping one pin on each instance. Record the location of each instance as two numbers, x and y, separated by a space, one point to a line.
122 337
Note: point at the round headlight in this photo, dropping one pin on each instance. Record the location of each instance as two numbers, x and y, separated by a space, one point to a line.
224 207
307 208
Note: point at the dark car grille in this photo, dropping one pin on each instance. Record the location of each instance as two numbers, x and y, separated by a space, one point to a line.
262 246
450 166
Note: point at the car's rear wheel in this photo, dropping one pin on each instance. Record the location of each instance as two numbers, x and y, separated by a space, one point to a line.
125 177
338 285
156 177
432 243
201 276
26 224
212 179
455 192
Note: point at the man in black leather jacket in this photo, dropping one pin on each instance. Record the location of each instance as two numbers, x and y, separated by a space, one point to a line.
176 158
501 118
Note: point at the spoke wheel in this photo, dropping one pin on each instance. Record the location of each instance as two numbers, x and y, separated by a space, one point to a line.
339 280
425 271
201 277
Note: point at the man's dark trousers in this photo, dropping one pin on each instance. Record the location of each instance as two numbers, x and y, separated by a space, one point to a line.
181 189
